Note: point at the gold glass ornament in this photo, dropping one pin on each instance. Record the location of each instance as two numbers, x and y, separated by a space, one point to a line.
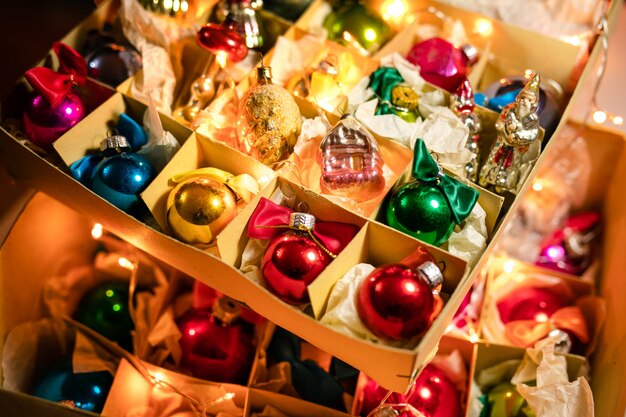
268 120
204 202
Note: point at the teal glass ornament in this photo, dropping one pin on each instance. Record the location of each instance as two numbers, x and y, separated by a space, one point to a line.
122 175
105 310
422 211
87 391
363 26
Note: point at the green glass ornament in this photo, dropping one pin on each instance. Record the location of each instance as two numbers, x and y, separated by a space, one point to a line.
366 28
422 211
505 401
105 310
429 206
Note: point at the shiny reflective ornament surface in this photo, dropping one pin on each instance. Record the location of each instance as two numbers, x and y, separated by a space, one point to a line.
440 62
43 123
105 310
86 390
396 301
221 38
216 344
199 208
293 260
246 19
433 395
202 92
268 120
354 24
404 103
171 8
300 85
462 104
518 129
569 248
503 92
352 165
422 211
122 175
530 303
113 63
505 401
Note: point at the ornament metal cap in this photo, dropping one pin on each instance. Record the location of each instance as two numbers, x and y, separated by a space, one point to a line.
471 52
431 274
562 341
264 74
226 310
114 142
302 220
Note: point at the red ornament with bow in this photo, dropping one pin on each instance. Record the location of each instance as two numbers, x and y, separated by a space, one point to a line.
54 109
299 249
530 314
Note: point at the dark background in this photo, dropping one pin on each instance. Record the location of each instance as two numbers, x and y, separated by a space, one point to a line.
28 28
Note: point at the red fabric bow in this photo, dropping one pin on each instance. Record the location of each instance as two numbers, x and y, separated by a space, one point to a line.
333 235
55 86
524 333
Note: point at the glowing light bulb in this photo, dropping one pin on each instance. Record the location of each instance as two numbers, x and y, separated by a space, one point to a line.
483 27
96 231
618 120
537 186
125 263
394 10
509 266
158 377
599 116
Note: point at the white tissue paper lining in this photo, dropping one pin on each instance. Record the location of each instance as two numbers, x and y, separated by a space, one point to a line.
443 133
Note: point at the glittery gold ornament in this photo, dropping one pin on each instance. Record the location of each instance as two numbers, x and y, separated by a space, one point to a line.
268 120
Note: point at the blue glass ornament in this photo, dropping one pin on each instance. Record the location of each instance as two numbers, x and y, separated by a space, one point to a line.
88 391
122 175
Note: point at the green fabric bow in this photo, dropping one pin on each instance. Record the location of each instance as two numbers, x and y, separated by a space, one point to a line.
382 81
461 198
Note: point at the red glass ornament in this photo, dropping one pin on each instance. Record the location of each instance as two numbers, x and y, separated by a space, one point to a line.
434 395
43 123
530 304
217 38
214 346
440 62
291 262
396 301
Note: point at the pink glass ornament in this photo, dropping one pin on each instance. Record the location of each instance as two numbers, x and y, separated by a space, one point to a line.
440 62
434 395
396 301
43 124
530 304
352 165
217 38
569 248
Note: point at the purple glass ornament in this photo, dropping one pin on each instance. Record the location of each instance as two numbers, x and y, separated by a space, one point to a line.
44 124
113 63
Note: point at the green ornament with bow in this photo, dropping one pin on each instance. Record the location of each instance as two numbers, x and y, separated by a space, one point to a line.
428 207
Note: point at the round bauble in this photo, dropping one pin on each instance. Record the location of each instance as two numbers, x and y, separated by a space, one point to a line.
530 303
199 208
44 124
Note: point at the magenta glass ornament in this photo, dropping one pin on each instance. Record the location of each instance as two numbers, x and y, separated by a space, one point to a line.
217 38
44 124
352 165
293 260
569 248
434 395
216 345
396 301
530 303
440 62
